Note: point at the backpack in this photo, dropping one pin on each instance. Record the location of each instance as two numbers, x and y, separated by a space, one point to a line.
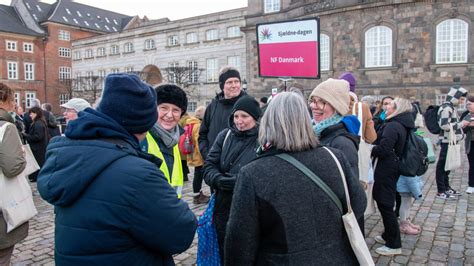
414 159
186 144
432 118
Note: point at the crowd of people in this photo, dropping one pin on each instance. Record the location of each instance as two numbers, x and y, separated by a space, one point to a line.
116 174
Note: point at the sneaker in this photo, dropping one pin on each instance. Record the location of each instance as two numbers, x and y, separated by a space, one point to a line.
445 196
379 239
453 192
405 228
200 199
386 251
470 190
417 227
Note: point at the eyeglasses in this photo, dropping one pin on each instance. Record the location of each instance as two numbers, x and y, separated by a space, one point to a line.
320 104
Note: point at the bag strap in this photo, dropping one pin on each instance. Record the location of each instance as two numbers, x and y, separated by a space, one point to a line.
343 176
290 159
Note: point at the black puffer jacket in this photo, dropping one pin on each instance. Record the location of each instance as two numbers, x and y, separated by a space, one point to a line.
215 120
224 161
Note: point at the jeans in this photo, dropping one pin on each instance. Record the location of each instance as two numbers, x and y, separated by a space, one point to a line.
470 158
442 177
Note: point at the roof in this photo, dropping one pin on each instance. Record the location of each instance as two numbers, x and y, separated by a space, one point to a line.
74 14
11 22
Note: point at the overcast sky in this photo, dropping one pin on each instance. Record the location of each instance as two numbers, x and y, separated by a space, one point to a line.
173 9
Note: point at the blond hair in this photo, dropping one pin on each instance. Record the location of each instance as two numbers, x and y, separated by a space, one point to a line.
401 105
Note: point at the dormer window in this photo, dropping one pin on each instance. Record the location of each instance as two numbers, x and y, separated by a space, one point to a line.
79 14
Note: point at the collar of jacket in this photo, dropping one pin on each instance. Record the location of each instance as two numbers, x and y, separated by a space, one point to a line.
5 116
224 101
333 129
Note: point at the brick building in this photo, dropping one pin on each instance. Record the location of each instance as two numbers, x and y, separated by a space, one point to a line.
44 70
403 48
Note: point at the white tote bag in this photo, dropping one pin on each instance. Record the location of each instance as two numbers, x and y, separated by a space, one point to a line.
31 163
359 246
365 149
453 158
16 199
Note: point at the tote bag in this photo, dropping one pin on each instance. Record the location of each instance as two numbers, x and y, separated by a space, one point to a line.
16 198
208 247
453 158
365 149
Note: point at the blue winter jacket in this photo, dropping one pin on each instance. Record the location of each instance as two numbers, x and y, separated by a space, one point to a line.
113 205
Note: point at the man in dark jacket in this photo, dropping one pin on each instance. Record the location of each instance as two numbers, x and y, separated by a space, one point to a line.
113 204
218 111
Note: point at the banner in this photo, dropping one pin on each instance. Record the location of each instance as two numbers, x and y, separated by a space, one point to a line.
289 49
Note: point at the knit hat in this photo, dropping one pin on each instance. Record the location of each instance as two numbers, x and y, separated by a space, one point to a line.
130 102
77 104
171 93
248 105
347 76
227 74
335 92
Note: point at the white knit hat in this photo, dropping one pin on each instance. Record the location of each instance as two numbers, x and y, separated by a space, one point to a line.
335 92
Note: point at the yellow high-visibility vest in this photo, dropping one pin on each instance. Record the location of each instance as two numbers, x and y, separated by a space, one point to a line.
176 180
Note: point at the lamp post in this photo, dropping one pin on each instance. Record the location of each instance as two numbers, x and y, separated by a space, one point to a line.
244 85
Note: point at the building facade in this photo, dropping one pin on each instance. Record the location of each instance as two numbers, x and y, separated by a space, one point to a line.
405 48
188 52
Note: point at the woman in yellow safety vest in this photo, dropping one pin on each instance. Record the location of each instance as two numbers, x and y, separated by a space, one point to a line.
162 139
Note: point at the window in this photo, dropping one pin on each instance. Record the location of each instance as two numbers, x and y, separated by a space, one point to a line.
64 52
440 99
234 61
17 99
77 55
101 51
64 35
172 75
102 73
211 69
325 52
11 46
149 44
191 37
64 73
89 74
378 47
173 40
233 32
29 71
193 71
79 14
211 35
192 106
451 41
128 47
63 98
89 53
271 6
114 70
114 49
29 97
129 69
12 70
27 47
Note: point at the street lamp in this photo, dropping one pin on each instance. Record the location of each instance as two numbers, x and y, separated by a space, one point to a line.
244 85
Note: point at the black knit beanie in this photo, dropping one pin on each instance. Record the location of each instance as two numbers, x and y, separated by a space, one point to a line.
224 76
130 102
249 105
171 93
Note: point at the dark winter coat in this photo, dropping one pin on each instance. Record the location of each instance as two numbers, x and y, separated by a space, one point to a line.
12 163
391 139
113 205
215 120
52 123
337 136
281 217
226 160
38 138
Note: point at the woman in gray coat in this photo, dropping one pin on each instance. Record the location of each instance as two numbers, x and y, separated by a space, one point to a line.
278 214
12 163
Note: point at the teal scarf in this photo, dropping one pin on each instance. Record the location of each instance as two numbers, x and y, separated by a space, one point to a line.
319 127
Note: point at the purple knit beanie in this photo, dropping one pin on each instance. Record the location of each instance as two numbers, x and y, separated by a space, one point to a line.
347 76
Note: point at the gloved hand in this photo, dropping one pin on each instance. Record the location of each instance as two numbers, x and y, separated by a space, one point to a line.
226 182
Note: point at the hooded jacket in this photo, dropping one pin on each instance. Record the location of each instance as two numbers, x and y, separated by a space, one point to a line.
215 120
113 205
448 115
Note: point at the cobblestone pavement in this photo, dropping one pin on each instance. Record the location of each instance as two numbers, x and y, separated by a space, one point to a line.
447 237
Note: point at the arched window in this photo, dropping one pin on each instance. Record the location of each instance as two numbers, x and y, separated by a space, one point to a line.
325 52
451 41
378 47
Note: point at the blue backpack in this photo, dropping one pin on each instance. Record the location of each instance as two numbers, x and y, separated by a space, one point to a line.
208 247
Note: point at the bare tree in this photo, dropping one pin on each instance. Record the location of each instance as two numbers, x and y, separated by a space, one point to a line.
184 76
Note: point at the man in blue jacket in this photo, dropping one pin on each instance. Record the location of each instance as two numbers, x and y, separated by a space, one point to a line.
113 205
